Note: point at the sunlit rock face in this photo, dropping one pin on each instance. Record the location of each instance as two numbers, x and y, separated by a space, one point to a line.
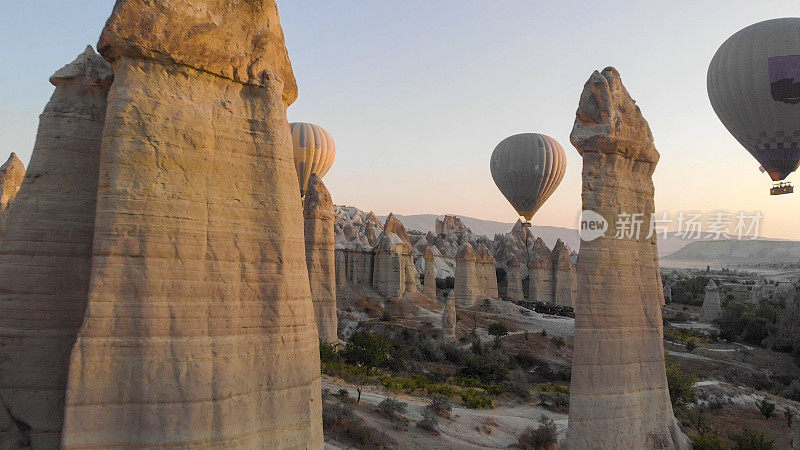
465 292
487 273
712 307
514 281
12 172
45 257
618 395
540 273
320 256
449 320
429 288
564 275
199 329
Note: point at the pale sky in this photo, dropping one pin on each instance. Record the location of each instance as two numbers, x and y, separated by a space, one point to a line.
417 93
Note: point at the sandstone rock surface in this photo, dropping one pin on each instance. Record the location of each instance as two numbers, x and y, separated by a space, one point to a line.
487 273
12 172
540 273
514 278
618 395
465 294
449 320
45 257
199 329
712 307
321 256
564 275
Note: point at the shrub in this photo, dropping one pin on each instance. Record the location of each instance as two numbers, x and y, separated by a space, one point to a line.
454 354
475 400
681 385
429 421
793 392
441 405
544 371
498 329
392 407
554 400
751 440
767 408
558 341
485 369
341 421
538 438
328 352
707 441
691 344
367 349
386 317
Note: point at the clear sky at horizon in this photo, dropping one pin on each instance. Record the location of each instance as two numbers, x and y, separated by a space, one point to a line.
417 93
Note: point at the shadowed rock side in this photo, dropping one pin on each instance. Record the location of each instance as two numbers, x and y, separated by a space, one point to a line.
540 272
320 257
199 328
564 276
449 320
45 258
514 287
711 303
619 396
465 292
429 288
487 274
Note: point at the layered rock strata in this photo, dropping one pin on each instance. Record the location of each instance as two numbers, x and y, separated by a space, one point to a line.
12 172
199 329
465 294
429 288
564 275
487 274
321 257
45 257
618 395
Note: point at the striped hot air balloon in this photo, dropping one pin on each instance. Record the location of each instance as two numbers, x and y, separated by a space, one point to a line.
314 152
527 168
754 87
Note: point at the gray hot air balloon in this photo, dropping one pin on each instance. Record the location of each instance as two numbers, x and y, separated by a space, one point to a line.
754 87
314 152
527 168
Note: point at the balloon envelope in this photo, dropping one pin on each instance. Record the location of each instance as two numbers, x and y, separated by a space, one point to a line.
314 152
754 87
527 168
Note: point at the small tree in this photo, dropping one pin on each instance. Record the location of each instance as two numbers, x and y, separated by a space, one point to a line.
538 438
767 408
691 344
558 341
752 440
789 416
498 330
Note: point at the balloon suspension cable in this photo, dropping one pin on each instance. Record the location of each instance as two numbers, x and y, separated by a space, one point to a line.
780 188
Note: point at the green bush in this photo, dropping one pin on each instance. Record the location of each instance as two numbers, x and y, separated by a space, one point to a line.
767 408
391 407
751 440
485 369
441 405
328 352
681 385
340 421
472 398
429 421
367 349
707 441
538 438
793 392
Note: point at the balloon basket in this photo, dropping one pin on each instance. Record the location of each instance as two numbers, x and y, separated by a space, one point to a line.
526 224
781 188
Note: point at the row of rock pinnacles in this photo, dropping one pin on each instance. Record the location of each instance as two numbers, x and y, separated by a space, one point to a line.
154 281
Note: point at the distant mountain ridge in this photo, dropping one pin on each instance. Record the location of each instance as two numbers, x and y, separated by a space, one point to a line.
739 252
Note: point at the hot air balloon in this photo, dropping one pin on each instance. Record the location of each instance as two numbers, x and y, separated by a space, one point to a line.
754 87
314 152
527 168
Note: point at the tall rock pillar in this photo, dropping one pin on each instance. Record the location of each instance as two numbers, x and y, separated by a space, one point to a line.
563 274
465 293
449 320
46 255
429 288
712 307
514 281
540 273
11 175
199 327
321 256
619 396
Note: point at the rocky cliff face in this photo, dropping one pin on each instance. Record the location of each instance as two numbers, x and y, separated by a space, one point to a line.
465 294
45 258
619 396
451 225
514 277
487 274
320 256
199 328
429 288
712 306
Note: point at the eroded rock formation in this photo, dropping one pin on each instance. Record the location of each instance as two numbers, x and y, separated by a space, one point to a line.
487 274
514 281
564 275
540 272
199 327
429 288
711 303
12 172
619 396
449 319
320 256
45 258
465 293
392 256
